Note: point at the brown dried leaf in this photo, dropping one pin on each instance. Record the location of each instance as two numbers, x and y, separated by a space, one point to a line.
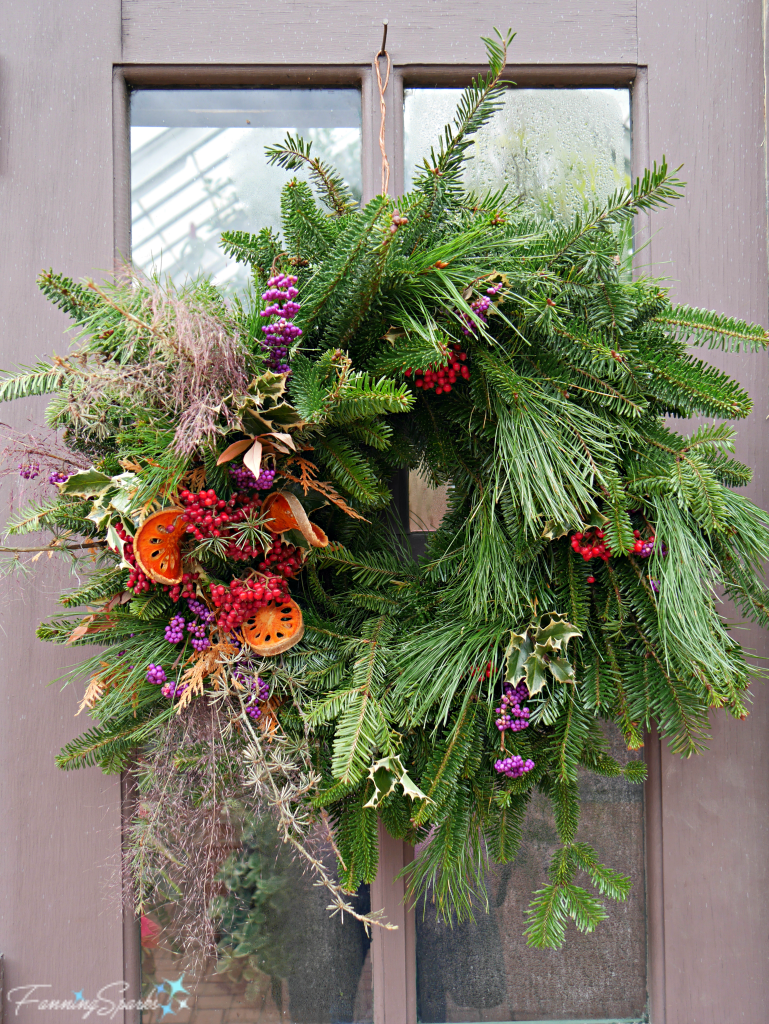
253 458
79 631
234 450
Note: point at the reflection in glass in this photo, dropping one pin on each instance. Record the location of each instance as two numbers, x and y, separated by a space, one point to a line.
484 971
281 957
198 168
555 149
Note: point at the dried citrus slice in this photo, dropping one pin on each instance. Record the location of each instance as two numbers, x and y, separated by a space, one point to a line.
274 628
284 512
156 545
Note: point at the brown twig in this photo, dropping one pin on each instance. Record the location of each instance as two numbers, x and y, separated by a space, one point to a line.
60 547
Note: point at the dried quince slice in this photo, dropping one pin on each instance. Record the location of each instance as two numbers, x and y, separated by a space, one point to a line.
284 512
274 628
157 545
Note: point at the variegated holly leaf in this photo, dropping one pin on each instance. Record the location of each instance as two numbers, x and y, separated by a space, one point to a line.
268 388
88 483
386 774
539 650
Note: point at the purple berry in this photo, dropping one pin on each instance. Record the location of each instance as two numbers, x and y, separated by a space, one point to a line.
279 336
29 470
156 675
175 629
513 766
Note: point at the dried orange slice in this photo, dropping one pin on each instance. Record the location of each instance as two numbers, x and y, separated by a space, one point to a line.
274 628
284 512
157 545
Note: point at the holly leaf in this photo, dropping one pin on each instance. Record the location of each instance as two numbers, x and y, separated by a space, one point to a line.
88 483
562 670
518 652
536 674
385 774
558 632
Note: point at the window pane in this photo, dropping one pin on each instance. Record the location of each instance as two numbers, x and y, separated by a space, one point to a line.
554 148
281 956
198 167
485 972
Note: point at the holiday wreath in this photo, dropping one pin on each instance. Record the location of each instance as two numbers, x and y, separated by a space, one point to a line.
263 630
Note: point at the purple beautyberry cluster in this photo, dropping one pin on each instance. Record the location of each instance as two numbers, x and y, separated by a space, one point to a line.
260 692
175 629
200 610
156 675
280 335
511 715
480 308
198 636
58 477
173 689
29 470
513 766
245 480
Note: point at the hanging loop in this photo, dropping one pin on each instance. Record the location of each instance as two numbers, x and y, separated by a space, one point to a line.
383 107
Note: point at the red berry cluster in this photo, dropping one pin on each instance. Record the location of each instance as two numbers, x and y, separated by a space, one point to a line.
591 544
485 675
207 515
184 589
643 547
444 377
282 558
137 581
240 600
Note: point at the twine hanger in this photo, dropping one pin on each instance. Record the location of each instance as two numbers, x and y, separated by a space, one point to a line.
382 107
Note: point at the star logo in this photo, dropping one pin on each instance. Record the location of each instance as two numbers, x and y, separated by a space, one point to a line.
160 988
182 1005
78 995
166 1008
174 987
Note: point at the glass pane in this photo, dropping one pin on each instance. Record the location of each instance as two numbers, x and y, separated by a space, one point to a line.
281 956
198 167
485 971
554 148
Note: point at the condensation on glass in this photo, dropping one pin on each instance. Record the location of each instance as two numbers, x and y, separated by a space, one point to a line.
554 150
198 168
484 971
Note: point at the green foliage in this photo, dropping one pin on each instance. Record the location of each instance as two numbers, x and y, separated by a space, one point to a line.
560 429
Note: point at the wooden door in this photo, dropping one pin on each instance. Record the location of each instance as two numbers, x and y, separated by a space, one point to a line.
697 74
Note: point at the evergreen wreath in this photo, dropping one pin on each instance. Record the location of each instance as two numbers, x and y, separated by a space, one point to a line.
266 640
